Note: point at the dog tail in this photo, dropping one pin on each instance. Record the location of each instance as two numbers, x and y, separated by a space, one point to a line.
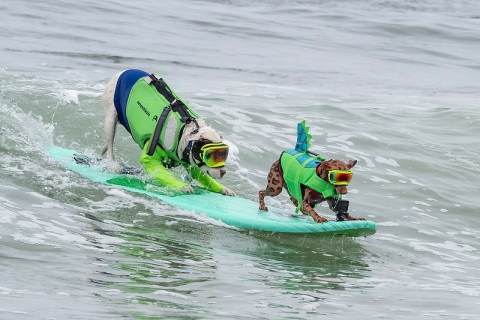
303 137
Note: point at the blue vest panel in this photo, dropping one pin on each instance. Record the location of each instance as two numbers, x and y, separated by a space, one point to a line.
124 85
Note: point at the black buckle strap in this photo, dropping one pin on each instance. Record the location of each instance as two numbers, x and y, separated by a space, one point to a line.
175 105
158 131
162 88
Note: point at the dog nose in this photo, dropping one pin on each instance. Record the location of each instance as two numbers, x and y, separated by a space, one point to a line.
222 172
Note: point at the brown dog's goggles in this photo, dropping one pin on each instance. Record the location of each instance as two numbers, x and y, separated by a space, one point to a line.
214 154
340 177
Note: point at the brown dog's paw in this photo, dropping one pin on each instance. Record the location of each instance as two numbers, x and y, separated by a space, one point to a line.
319 219
350 218
263 208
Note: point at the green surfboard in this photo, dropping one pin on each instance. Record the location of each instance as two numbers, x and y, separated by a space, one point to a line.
234 211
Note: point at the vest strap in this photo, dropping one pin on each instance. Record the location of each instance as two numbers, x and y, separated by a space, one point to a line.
175 105
158 131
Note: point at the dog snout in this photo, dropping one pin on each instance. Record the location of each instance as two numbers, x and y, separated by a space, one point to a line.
222 172
341 190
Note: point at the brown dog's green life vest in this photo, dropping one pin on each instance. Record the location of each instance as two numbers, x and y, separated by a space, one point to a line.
299 168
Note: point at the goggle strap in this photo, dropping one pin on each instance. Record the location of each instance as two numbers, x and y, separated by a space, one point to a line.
218 145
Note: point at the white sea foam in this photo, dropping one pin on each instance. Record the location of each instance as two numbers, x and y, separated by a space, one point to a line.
394 173
307 297
250 147
388 224
343 139
415 182
31 240
233 151
170 294
420 212
446 267
117 192
378 179
8 187
203 218
253 291
448 250
370 136
38 195
113 291
7 203
470 292
390 162
72 96
426 232
422 203
48 205
311 306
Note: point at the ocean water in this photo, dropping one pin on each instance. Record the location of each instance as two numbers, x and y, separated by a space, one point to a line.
392 84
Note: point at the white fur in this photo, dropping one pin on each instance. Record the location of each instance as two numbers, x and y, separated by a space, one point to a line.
111 116
110 127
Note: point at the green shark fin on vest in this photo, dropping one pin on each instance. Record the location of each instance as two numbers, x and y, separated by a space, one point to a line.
303 137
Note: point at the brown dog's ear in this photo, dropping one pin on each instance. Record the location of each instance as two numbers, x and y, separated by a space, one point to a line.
325 165
351 164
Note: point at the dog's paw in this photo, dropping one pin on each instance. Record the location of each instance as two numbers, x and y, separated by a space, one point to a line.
187 189
115 167
319 219
350 218
227 192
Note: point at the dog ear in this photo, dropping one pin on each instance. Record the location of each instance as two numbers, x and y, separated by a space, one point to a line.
351 164
325 165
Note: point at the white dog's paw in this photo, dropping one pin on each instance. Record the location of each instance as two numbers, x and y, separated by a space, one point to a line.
114 167
227 192
187 189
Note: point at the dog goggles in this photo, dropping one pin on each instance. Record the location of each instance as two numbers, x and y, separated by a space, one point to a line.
340 177
214 154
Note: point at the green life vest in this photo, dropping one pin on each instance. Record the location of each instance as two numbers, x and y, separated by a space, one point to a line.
299 168
145 107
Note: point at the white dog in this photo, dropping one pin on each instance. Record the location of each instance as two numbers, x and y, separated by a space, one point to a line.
165 128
